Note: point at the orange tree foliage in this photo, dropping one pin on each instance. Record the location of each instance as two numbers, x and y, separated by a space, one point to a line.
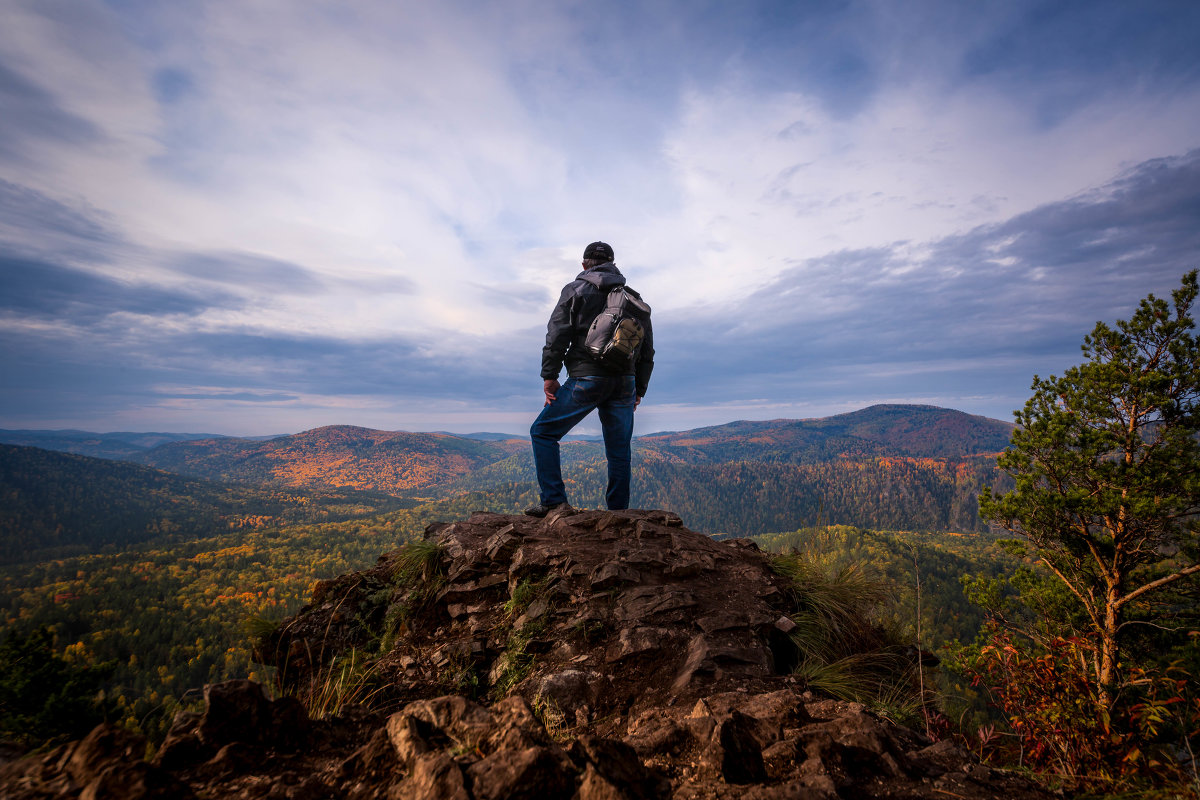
337 455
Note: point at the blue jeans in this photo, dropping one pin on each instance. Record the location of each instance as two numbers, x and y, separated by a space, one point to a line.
614 398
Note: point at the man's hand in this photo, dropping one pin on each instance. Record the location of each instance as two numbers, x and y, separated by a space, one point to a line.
550 388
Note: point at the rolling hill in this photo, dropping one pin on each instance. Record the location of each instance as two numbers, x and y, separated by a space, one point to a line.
882 430
400 462
892 466
57 504
333 456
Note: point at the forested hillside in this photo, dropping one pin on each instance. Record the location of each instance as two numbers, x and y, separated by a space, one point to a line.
747 497
939 560
431 464
171 618
900 467
883 430
337 455
58 504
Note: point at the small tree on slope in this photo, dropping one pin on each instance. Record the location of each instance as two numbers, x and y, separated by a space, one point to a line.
1106 461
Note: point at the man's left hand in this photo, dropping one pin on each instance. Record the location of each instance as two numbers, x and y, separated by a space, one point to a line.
550 388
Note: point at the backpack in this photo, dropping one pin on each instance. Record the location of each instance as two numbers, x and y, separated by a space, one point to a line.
615 336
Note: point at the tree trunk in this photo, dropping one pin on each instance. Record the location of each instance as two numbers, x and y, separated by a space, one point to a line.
1107 678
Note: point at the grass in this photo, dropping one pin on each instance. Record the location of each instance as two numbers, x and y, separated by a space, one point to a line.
588 631
349 679
419 561
518 663
418 574
526 592
844 650
460 676
260 626
552 718
835 612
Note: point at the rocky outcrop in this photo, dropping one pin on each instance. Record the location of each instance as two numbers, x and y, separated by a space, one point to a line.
587 656
594 613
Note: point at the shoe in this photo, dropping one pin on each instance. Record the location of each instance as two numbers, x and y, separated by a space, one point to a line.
540 510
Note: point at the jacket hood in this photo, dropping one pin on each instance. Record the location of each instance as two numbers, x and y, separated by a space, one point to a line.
603 276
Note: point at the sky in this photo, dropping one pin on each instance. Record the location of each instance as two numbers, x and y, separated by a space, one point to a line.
254 217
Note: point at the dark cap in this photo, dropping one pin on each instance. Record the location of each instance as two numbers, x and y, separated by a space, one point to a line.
599 251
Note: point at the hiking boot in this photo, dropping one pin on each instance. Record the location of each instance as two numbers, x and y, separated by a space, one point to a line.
541 510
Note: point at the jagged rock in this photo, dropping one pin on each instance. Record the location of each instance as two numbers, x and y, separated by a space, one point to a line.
641 641
607 576
652 736
105 764
516 726
569 691
534 773
139 781
233 759
375 762
614 771
182 747
444 719
734 751
236 712
435 776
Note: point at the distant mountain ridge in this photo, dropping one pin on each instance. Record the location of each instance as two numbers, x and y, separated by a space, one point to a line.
119 445
915 431
402 462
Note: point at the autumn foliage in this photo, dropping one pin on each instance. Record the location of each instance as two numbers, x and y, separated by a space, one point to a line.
1062 728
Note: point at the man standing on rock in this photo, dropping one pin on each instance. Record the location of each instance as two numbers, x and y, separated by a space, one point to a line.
592 383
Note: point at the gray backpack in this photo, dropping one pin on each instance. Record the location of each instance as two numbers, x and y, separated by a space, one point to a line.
615 337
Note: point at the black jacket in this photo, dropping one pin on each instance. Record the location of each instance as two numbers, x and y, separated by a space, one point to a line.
580 302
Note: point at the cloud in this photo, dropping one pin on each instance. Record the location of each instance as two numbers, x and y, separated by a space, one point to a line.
250 272
33 116
983 309
32 222
41 289
362 213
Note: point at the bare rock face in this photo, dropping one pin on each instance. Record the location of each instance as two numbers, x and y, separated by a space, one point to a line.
587 656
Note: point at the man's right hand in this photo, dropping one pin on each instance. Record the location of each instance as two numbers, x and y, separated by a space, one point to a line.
550 388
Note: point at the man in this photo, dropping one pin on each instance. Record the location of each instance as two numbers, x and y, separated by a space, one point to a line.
591 384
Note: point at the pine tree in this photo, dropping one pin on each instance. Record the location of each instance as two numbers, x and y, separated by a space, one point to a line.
1106 461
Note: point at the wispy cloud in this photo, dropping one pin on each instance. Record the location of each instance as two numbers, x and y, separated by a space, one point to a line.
985 308
228 216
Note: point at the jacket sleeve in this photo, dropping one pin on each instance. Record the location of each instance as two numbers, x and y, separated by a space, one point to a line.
559 332
645 364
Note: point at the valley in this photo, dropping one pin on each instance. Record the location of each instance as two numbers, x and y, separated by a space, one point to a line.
164 568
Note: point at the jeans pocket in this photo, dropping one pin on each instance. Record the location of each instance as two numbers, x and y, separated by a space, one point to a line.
589 391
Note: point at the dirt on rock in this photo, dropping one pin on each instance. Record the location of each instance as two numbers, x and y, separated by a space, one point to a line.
593 655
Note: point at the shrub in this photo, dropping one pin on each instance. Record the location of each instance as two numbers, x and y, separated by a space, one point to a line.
1062 727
